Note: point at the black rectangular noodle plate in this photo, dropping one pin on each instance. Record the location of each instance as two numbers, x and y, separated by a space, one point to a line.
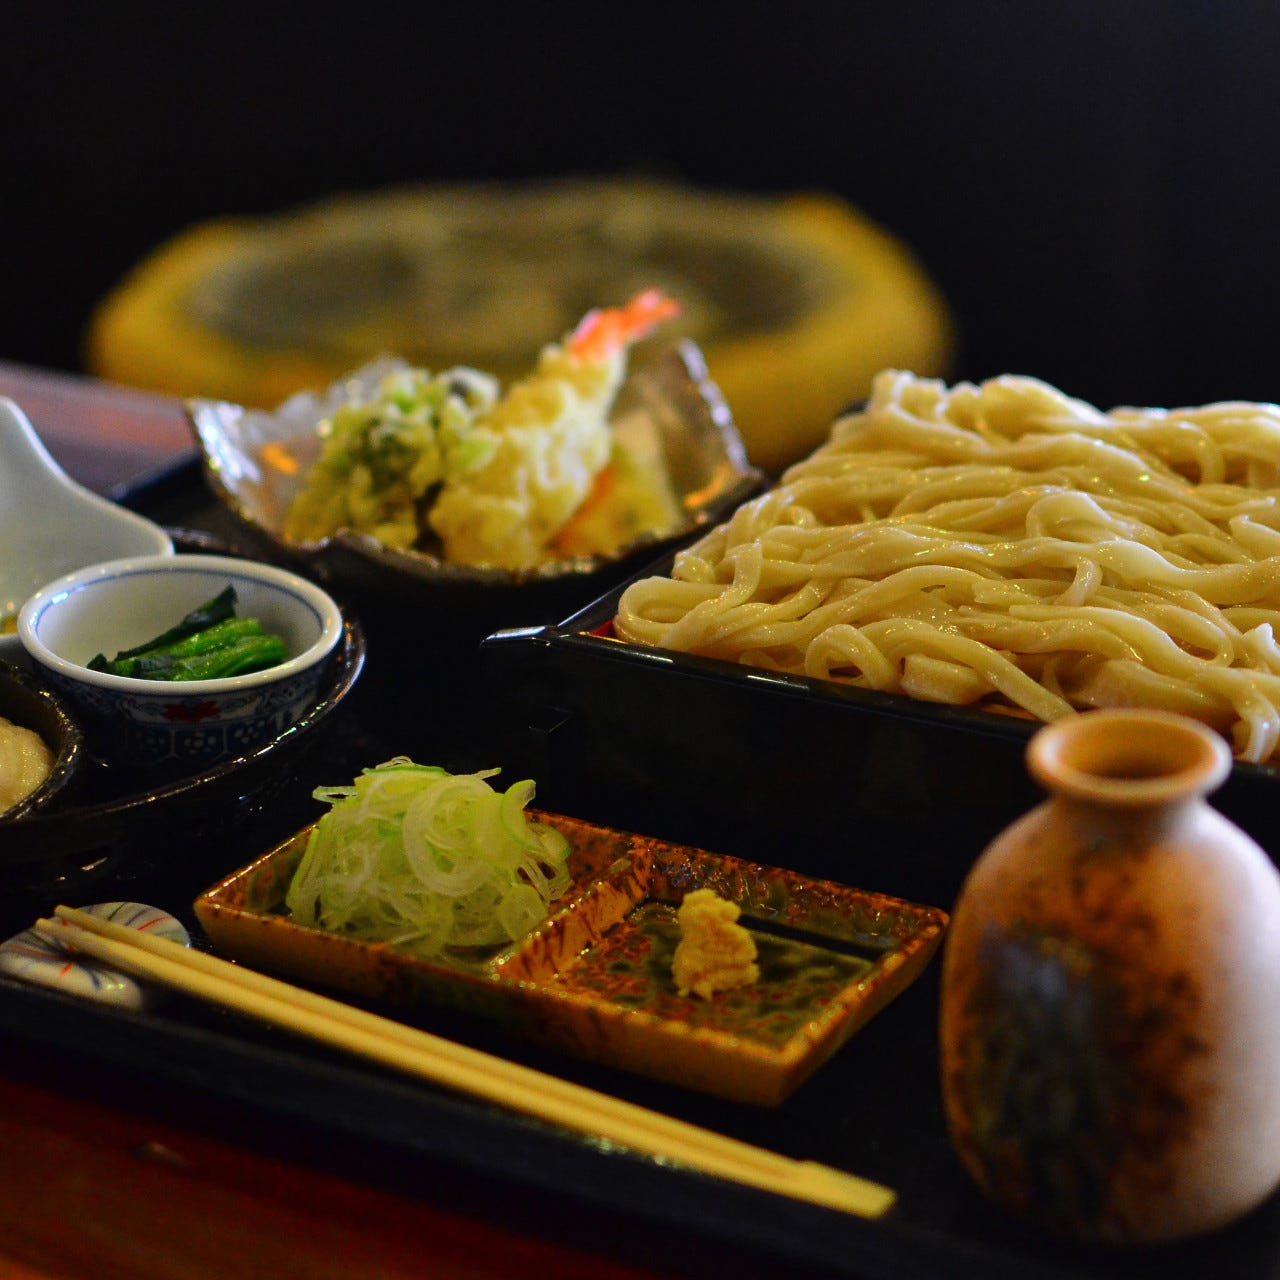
870 789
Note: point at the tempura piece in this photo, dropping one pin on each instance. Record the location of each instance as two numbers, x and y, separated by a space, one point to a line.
715 953
381 460
551 441
632 496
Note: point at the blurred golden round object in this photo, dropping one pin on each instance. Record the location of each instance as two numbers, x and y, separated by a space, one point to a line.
795 300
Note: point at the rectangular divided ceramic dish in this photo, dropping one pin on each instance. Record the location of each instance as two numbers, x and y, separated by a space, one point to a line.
595 979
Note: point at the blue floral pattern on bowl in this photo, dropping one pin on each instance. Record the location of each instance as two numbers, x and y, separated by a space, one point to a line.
164 728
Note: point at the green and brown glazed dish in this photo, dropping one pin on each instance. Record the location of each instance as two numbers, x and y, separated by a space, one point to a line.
595 979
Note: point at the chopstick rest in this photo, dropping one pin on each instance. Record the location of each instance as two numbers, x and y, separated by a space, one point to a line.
429 1057
44 961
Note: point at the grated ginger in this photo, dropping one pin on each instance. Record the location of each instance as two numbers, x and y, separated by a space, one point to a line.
715 953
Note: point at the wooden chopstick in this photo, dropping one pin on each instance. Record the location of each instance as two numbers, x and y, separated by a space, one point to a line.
470 1071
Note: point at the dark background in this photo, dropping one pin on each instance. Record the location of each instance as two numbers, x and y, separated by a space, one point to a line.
1093 185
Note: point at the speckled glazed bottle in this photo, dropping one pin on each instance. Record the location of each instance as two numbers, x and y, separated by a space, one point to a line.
1110 1012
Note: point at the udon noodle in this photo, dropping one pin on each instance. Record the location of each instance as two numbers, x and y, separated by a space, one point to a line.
1005 545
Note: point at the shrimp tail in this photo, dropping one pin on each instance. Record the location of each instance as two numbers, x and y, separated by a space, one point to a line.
602 332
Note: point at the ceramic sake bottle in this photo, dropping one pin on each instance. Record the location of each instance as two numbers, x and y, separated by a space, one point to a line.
1110 1010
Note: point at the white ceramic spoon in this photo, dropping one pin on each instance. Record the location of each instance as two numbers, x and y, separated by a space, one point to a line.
50 525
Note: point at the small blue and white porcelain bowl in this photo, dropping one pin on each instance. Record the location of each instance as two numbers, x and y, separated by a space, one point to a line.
170 726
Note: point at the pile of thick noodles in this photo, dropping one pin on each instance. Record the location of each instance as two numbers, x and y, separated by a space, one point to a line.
1005 545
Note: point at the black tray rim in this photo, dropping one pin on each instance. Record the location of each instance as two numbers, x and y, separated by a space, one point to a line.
579 632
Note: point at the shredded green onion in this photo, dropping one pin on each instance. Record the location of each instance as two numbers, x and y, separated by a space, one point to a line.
416 856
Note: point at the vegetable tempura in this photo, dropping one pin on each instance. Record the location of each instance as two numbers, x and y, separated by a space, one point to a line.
495 477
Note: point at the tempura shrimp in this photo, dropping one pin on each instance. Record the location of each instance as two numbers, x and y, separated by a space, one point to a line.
551 442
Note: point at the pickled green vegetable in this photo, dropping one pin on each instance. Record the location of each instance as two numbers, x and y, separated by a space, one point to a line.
210 643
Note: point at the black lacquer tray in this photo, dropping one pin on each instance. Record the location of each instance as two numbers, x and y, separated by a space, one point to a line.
874 1108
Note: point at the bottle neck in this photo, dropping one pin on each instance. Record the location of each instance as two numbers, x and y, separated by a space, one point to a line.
1130 761
1124 823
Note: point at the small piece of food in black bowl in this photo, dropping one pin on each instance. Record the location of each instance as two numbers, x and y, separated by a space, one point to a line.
40 745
